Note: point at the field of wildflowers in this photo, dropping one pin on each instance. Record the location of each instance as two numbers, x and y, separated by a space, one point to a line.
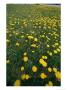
33 45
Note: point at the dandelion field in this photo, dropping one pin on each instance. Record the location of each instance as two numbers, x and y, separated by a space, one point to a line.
33 45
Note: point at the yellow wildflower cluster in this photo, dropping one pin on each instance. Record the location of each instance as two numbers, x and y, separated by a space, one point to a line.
44 57
25 76
43 63
25 57
43 75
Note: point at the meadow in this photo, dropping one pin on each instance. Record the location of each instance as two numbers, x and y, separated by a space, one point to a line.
33 45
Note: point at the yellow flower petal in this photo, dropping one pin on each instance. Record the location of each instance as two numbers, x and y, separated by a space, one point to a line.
50 83
34 69
23 76
17 83
27 76
55 69
44 63
17 44
22 68
58 75
43 75
50 69
25 58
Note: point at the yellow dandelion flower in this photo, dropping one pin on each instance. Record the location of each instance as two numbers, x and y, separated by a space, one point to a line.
42 36
58 75
17 83
35 39
16 33
56 44
22 68
33 51
44 57
43 75
50 53
58 50
23 76
25 54
55 51
7 40
7 61
44 64
30 37
17 44
55 69
34 69
25 58
50 83
48 45
27 76
49 69
22 36
33 45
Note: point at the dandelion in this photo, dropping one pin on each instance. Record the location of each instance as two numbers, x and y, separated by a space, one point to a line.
56 44
17 44
27 76
22 68
16 33
33 45
25 54
58 50
48 46
49 83
43 63
25 58
7 40
42 36
34 69
58 75
23 76
50 53
43 75
49 69
55 69
35 39
22 36
17 83
44 57
55 51
30 37
8 61
33 51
